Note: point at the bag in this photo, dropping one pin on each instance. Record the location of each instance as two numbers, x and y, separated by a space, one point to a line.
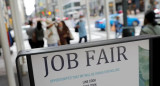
76 29
113 28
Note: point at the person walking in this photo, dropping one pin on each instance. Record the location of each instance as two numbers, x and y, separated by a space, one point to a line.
150 25
38 35
51 34
118 27
64 33
30 33
81 29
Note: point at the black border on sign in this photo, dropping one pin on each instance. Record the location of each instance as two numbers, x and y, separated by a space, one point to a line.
155 53
150 61
152 47
30 70
83 45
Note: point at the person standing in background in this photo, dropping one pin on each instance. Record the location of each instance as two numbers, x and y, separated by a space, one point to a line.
30 33
51 34
118 26
64 33
101 11
82 29
150 25
38 35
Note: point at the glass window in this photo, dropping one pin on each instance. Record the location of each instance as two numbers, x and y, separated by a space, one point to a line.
67 6
77 4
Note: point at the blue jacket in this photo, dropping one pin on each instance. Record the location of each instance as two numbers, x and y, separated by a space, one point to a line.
82 29
118 26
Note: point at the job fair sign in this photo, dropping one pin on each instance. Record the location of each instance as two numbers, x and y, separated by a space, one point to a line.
117 64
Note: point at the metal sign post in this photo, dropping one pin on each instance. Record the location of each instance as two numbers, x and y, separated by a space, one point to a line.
17 25
92 64
88 19
6 51
125 6
106 10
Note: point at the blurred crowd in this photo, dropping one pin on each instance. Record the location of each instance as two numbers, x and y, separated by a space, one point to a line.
56 33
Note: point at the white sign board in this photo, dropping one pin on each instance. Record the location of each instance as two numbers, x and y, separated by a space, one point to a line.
105 65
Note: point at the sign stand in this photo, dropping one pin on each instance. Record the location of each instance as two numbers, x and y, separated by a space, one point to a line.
19 73
74 64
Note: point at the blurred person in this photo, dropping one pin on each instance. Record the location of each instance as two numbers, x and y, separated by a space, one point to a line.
118 26
81 29
64 33
38 35
101 11
9 37
30 32
150 25
51 34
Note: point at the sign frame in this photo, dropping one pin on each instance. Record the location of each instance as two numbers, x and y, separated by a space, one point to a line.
154 42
